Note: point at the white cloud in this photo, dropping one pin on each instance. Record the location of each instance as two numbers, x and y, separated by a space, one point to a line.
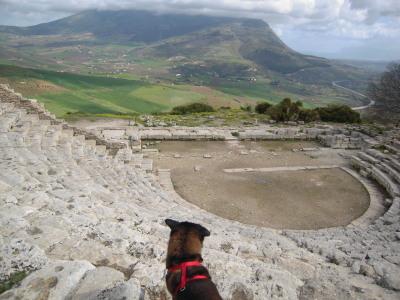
345 19
314 14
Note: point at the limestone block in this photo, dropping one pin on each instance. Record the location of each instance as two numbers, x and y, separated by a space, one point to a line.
18 255
96 282
129 290
55 281
113 134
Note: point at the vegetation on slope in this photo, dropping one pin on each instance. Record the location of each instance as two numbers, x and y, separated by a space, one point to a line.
386 92
192 108
122 25
66 94
287 110
14 279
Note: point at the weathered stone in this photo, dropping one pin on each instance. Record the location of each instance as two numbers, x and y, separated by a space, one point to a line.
391 278
18 255
367 270
130 290
96 282
55 281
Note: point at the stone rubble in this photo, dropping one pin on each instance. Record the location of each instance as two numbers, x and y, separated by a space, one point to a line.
87 222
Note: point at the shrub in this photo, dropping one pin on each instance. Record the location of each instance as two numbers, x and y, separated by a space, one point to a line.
246 108
286 110
261 108
309 115
339 114
14 279
386 91
192 108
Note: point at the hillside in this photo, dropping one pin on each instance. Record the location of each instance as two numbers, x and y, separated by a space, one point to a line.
238 56
254 39
122 26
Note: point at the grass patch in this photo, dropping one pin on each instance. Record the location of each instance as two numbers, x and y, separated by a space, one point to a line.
97 94
220 117
14 279
124 94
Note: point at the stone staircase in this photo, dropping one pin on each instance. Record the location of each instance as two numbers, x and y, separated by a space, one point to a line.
85 219
371 251
383 168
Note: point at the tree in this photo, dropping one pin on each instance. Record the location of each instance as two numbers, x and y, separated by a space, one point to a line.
192 108
286 110
338 113
309 115
261 108
386 92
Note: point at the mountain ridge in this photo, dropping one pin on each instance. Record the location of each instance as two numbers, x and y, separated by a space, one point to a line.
257 41
177 48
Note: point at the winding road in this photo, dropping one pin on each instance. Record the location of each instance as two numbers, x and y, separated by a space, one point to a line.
371 103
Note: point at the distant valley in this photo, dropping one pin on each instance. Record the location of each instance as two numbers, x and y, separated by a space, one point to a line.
140 62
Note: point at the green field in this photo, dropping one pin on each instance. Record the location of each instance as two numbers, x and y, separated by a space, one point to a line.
65 93
71 93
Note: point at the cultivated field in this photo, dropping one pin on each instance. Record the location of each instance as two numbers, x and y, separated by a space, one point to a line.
65 94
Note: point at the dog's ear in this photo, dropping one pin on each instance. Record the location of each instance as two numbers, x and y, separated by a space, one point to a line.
204 231
171 223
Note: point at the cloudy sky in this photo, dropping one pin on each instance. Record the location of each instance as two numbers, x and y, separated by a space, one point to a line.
361 29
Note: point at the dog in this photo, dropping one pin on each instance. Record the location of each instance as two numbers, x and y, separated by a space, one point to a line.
186 277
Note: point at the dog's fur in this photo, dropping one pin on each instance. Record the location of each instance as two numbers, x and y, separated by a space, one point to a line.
185 244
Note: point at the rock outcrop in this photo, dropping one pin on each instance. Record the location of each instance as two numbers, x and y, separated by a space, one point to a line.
80 216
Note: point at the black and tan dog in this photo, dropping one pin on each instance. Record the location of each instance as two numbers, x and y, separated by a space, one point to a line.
186 277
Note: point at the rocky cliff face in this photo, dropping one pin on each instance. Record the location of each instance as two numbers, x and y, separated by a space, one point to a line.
87 225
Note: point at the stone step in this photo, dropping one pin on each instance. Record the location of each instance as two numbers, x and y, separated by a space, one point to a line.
396 144
6 107
390 186
51 136
90 148
366 157
394 163
124 155
392 149
370 170
137 159
8 120
358 163
101 150
147 165
69 133
386 167
376 154
37 129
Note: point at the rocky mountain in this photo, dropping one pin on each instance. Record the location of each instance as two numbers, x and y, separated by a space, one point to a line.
229 44
122 26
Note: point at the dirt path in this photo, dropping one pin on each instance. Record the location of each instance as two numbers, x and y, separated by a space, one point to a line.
300 199
371 102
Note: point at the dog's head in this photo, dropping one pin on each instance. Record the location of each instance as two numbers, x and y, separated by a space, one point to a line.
186 238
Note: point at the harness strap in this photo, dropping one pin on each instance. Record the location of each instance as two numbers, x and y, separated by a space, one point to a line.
184 279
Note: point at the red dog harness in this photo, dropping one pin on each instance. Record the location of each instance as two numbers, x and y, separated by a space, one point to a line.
184 279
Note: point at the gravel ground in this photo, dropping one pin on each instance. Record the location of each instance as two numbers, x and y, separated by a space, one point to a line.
310 199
